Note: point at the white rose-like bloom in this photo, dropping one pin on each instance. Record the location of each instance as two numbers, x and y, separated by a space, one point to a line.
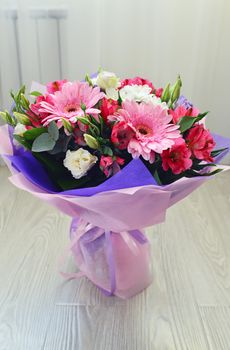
141 93
79 162
109 82
19 129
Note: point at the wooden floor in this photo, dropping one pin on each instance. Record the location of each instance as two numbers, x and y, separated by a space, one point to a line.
186 307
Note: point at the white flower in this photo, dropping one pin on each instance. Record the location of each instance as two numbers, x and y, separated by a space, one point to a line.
156 101
19 129
141 93
79 162
138 93
109 82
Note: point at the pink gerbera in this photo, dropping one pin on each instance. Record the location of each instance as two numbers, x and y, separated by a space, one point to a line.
70 102
152 129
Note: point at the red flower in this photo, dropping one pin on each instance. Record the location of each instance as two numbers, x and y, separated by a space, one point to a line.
110 165
158 92
181 111
200 142
54 86
35 116
137 81
177 158
121 135
108 107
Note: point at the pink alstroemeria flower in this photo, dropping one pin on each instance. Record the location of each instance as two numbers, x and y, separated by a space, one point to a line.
200 142
177 158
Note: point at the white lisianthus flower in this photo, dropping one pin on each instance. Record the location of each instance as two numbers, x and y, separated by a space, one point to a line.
19 129
141 93
156 101
79 162
138 93
109 82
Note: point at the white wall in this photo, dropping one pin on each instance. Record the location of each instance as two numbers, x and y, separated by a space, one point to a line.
45 40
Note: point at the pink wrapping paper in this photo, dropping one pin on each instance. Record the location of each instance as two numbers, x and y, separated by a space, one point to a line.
115 213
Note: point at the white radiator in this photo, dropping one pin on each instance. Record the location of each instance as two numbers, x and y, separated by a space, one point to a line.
46 26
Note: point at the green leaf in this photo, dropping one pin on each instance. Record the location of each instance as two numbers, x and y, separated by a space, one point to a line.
107 151
35 93
68 184
157 178
32 134
22 141
202 166
215 153
187 122
192 173
42 143
53 131
61 145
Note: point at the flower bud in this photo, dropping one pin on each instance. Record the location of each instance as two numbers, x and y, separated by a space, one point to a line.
88 80
8 118
67 125
22 118
3 116
165 97
24 102
175 94
83 120
83 107
91 141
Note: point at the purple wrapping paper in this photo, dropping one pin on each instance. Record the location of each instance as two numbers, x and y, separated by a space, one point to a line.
133 175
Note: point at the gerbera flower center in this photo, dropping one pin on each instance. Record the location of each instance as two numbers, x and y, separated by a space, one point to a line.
144 130
71 108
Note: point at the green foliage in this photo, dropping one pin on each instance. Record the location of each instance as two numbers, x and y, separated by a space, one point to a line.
42 143
22 118
35 93
32 134
88 79
67 125
106 150
53 131
46 140
217 152
22 141
192 173
187 122
7 118
17 97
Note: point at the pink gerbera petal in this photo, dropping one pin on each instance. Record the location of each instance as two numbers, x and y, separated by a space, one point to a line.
152 130
67 103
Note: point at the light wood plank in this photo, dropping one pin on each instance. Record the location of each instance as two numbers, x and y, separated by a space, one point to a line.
217 325
29 252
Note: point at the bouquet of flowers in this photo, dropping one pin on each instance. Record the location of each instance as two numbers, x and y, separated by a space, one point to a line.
114 155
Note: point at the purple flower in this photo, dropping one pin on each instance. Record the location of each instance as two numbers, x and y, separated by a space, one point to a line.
182 101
